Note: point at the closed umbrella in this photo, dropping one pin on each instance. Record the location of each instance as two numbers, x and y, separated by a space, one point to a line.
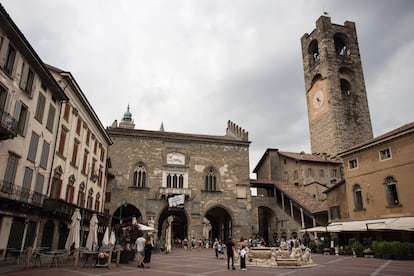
74 237
105 240
92 239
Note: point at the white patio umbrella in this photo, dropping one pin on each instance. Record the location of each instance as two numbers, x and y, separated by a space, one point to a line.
105 240
74 236
92 239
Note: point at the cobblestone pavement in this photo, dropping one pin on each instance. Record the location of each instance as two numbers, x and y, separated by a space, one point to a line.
204 262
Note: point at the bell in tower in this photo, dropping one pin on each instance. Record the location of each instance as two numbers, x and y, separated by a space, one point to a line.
337 102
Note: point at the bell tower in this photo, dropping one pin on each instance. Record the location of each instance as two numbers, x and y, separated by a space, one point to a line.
337 101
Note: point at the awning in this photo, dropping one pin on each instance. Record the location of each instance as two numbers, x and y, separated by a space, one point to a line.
315 229
401 224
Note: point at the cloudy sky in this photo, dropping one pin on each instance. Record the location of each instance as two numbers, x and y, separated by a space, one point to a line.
194 64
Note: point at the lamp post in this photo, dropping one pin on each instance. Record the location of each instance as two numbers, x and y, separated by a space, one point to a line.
94 178
123 203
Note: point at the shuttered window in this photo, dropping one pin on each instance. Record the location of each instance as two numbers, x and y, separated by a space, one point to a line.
33 147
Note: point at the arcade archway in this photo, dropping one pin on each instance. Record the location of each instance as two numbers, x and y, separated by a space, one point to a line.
179 223
267 222
221 224
124 213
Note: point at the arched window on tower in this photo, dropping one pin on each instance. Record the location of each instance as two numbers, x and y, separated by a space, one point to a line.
341 45
140 175
211 181
345 87
358 197
313 51
391 190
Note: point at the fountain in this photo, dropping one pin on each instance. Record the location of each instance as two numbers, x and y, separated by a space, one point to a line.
277 257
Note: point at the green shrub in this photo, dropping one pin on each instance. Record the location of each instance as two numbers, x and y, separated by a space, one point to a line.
407 248
358 248
378 247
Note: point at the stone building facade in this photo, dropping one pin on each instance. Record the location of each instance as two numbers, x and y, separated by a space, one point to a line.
335 88
289 192
200 181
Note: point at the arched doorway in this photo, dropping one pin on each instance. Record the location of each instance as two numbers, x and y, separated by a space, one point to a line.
220 222
179 224
47 236
124 214
267 225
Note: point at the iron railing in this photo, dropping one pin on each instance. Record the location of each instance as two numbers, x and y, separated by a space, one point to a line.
8 125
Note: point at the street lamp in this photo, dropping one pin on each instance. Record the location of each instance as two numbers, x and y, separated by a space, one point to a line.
94 178
123 203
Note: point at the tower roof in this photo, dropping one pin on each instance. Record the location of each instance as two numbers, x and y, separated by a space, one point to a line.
127 115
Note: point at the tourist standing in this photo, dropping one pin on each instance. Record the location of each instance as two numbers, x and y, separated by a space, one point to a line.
230 253
242 253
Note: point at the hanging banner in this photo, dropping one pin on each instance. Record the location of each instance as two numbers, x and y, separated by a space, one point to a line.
176 201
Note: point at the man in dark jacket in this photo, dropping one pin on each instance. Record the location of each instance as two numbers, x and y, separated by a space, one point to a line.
230 253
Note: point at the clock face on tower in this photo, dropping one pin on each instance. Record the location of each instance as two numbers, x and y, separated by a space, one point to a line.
318 99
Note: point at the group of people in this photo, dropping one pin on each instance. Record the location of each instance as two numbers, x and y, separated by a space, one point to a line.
143 251
230 247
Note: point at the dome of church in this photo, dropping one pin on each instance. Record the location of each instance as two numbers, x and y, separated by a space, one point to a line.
127 114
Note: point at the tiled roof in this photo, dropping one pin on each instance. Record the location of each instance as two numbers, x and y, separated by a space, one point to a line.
301 156
302 198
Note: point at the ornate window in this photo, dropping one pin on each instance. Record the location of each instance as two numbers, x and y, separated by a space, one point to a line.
391 190
97 202
140 175
211 181
70 189
90 199
175 180
81 195
358 197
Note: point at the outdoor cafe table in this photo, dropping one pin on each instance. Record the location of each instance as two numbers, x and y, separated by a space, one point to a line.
37 253
89 257
57 256
13 253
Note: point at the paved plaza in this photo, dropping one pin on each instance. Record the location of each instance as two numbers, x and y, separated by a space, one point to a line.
204 262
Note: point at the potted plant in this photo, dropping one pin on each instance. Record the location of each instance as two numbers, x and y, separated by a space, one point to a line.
357 247
336 245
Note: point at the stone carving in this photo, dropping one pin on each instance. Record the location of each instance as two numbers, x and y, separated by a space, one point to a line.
175 158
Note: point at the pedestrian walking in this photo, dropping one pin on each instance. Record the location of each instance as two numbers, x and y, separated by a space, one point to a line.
215 246
140 246
230 253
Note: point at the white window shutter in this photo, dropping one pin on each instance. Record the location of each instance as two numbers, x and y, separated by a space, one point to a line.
25 73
